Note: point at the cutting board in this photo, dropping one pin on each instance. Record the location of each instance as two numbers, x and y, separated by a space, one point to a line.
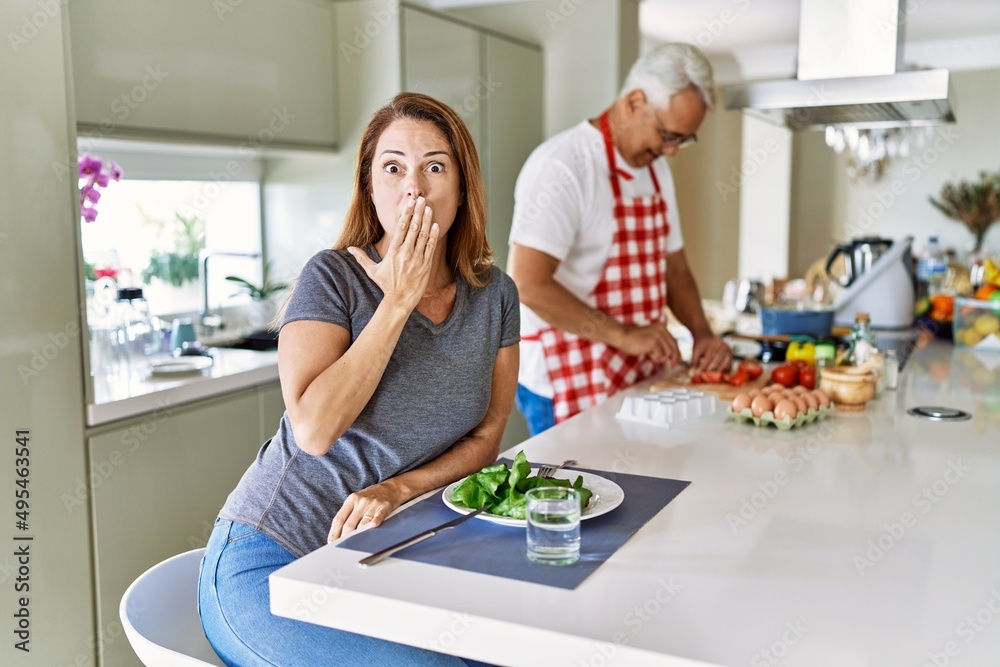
678 378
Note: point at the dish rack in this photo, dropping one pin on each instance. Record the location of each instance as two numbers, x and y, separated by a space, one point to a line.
668 407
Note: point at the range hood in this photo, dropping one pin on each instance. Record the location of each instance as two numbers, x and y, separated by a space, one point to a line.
850 73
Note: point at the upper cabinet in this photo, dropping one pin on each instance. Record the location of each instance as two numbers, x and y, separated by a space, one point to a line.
443 59
253 72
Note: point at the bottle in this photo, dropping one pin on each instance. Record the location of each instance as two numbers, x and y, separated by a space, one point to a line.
932 267
136 335
825 354
891 369
862 341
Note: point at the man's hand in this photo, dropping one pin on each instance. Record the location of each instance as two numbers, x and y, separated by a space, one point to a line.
710 353
652 339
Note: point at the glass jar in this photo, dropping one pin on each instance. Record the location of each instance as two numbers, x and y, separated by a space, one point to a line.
136 336
891 369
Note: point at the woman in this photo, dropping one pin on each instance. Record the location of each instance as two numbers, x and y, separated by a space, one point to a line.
398 365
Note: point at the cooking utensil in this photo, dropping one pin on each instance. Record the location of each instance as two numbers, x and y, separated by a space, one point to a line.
749 295
419 537
859 256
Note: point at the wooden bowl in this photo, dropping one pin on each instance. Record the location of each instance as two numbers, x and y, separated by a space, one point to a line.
847 388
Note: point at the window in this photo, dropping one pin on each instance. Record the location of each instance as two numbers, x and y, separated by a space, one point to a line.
170 209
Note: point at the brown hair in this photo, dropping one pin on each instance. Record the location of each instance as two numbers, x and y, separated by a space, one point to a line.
468 253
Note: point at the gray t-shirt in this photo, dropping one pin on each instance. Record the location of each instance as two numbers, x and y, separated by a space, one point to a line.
435 389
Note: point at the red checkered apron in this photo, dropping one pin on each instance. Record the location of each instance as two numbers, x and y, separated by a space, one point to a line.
632 289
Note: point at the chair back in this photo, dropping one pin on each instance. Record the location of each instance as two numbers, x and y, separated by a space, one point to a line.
160 614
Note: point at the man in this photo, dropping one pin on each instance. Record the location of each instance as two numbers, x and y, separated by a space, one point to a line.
596 245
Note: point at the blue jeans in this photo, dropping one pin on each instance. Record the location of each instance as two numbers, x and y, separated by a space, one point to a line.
233 601
537 410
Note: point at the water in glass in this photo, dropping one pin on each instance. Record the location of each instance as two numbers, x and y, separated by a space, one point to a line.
553 517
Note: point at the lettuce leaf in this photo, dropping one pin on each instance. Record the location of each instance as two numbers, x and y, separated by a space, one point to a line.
482 488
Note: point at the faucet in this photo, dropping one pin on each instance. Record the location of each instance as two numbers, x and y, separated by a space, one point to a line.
208 320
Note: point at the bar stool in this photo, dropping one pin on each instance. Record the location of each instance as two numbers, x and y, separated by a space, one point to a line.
160 614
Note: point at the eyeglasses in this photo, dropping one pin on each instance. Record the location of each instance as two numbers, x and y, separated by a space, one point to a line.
674 139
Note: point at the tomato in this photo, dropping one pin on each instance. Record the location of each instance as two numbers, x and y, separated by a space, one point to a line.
807 377
786 375
712 377
752 367
739 378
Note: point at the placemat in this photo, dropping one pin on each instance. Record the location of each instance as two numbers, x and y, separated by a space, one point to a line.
489 548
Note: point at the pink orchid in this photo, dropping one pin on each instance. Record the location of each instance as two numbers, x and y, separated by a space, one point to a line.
94 174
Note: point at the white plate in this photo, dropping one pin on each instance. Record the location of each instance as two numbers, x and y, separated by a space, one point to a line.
606 496
175 365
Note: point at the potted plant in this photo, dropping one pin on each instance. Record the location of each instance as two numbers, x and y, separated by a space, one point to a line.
974 204
263 296
186 236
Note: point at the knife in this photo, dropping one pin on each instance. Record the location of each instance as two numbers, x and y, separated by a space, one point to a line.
419 537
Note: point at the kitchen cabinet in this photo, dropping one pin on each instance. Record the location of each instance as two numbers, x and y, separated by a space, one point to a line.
270 409
494 83
512 129
247 73
442 59
158 483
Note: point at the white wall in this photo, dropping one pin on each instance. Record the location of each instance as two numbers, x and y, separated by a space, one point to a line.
897 205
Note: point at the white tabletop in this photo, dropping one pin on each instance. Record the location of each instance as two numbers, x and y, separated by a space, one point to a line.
869 539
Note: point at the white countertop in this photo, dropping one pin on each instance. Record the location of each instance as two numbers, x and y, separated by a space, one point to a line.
121 396
869 539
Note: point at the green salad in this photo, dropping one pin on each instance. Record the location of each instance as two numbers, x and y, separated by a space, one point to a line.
502 491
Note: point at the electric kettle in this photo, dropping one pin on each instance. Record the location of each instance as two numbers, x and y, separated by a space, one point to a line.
859 256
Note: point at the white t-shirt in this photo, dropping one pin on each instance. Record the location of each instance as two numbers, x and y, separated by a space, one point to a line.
564 207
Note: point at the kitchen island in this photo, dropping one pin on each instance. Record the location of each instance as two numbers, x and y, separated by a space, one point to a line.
869 538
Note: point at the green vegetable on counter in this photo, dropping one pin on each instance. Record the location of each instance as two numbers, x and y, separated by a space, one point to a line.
502 491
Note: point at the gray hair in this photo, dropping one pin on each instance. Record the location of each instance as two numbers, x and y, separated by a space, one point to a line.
669 69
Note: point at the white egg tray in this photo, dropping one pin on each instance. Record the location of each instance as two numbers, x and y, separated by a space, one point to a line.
668 407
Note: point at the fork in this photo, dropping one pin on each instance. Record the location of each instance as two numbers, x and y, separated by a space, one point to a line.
548 471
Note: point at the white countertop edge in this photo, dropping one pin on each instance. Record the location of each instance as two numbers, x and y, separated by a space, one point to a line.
198 389
454 632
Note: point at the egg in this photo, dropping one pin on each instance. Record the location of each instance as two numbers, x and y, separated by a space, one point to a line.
811 400
760 405
800 403
775 385
753 392
785 408
742 402
821 396
799 389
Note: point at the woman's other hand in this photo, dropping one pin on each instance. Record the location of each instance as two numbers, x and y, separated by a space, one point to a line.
403 273
370 505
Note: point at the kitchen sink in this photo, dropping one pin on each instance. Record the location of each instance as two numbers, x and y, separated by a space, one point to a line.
258 340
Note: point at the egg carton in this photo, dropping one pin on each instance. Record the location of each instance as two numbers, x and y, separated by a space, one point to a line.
767 419
668 407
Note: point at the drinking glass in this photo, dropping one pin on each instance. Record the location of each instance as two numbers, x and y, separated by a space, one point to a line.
553 517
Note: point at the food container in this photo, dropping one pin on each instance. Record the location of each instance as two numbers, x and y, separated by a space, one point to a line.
848 388
816 322
976 324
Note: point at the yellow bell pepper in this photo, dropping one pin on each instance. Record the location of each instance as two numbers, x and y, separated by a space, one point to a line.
803 350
